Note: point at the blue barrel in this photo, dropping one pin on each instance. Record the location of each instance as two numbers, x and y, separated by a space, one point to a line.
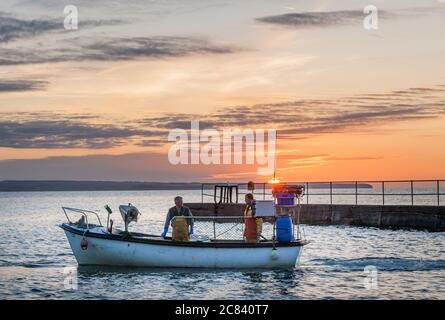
283 226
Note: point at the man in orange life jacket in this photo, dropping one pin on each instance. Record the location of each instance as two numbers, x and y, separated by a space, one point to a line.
253 225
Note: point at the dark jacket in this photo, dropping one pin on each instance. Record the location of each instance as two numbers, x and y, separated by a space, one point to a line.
174 212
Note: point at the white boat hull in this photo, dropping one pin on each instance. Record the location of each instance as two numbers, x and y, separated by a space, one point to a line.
102 251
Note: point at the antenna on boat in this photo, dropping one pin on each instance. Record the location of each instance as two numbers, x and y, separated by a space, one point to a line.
275 180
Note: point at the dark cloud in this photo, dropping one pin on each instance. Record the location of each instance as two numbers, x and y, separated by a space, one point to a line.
125 167
91 167
317 19
306 116
295 120
13 28
152 143
143 47
114 49
93 47
66 133
21 85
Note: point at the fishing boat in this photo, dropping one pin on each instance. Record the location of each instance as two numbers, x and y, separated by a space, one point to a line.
95 244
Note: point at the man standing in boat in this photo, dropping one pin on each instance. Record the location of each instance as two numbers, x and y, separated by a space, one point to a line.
253 226
181 219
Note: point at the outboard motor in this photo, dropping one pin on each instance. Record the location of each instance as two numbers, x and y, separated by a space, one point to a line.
129 213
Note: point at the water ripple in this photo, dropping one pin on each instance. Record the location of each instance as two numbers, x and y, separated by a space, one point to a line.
410 264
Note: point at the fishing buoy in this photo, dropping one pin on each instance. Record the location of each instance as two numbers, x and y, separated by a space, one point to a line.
274 254
84 244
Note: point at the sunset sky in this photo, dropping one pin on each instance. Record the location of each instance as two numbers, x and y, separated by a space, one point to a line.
97 103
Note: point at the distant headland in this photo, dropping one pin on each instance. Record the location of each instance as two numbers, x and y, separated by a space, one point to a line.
70 185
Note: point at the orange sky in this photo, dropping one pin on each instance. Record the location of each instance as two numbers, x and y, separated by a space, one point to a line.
348 103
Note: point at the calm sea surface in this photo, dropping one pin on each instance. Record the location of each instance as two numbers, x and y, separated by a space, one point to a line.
339 263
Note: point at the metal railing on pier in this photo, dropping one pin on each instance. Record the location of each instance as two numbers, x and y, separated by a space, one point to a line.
389 192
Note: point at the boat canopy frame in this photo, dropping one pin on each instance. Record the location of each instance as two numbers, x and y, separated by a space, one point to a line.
84 213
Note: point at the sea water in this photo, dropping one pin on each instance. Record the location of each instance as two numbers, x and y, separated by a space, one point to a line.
340 262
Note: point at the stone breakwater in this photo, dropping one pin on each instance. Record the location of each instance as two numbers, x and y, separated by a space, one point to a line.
430 218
